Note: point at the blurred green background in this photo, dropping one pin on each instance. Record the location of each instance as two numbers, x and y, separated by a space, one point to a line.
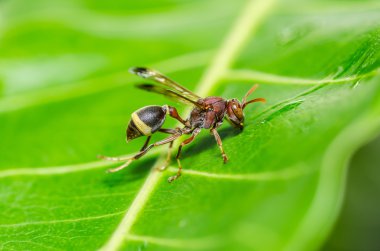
358 224
66 96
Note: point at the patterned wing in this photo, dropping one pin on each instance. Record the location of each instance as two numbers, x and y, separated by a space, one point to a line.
169 93
165 82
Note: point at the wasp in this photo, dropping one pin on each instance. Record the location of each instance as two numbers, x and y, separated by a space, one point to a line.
207 113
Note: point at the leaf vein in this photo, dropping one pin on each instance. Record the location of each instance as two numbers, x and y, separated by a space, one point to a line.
22 224
263 77
198 244
287 173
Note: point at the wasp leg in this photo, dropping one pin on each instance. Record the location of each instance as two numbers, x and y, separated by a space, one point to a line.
124 158
113 158
146 143
143 152
185 142
174 114
170 131
219 142
168 157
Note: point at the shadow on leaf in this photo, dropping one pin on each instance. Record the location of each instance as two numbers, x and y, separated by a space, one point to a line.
206 142
136 171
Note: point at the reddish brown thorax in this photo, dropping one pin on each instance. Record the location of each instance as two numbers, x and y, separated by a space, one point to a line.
210 117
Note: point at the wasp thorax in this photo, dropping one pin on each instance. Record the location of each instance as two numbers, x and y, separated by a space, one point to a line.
146 121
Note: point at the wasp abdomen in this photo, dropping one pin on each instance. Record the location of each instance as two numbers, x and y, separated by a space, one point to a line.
146 121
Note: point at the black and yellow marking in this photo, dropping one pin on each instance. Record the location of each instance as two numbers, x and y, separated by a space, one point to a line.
132 131
146 121
140 125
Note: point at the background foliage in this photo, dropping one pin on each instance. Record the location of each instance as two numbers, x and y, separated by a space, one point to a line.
66 97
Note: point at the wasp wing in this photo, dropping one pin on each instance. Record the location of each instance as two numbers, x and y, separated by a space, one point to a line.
168 93
164 81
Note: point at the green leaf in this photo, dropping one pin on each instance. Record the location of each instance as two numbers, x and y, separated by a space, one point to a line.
66 97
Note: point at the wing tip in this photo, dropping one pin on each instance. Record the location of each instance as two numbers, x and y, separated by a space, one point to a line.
141 71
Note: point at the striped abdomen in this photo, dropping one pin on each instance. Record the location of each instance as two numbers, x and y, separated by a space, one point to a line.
146 121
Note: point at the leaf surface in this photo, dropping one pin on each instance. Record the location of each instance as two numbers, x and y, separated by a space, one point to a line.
66 97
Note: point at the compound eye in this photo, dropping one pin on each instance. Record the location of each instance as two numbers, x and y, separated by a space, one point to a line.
236 108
